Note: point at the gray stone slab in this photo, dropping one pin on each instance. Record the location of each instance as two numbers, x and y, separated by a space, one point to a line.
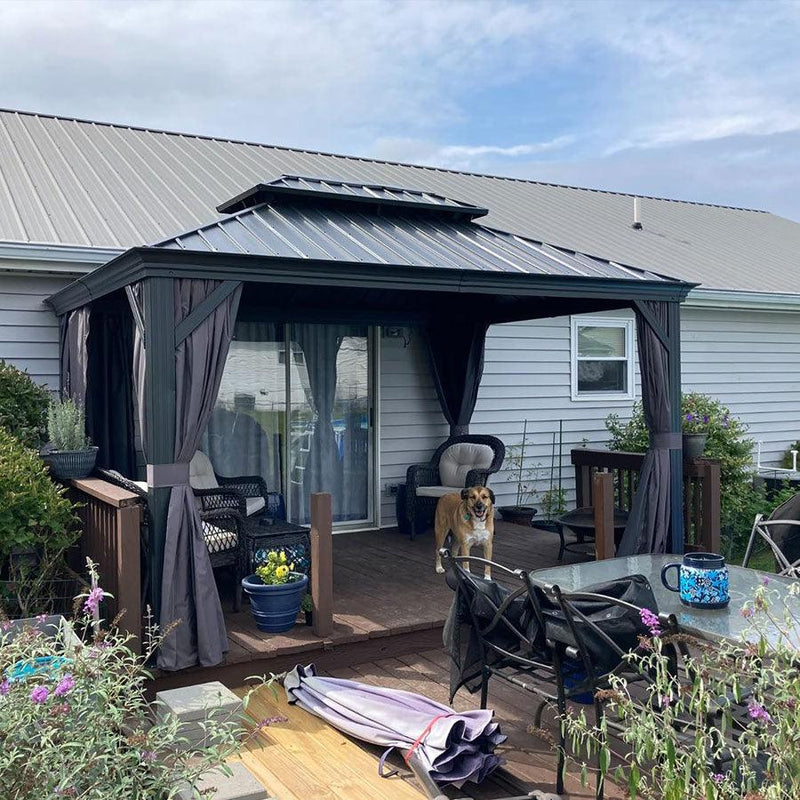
242 785
201 701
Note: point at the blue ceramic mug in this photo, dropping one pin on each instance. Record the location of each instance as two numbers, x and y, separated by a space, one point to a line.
702 580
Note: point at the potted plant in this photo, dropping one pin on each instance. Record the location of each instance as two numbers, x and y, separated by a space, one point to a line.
523 511
68 453
276 592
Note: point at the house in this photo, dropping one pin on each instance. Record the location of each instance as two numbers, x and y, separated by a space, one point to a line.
75 194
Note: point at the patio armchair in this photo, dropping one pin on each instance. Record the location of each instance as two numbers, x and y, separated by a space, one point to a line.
781 532
559 647
458 463
215 491
223 532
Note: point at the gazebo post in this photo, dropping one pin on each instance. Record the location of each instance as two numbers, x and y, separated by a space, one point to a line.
676 526
159 389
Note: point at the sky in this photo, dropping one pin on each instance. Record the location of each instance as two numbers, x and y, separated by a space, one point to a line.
693 100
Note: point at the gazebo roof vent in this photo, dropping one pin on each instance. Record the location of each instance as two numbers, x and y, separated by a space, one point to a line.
337 192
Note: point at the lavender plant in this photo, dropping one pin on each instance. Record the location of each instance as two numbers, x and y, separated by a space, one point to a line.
724 728
74 721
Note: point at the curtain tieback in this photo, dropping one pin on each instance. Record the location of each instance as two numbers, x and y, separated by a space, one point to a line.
162 475
667 441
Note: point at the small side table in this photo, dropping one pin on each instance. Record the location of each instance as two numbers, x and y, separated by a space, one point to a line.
581 522
266 534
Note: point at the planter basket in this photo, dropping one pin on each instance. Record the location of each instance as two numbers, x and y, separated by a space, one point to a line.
693 445
275 608
519 515
69 464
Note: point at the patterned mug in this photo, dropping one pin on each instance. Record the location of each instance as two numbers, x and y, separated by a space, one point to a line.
702 580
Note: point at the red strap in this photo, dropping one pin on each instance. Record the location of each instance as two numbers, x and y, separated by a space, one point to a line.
424 733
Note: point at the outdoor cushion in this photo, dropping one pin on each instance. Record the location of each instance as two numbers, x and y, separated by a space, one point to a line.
219 539
201 473
437 491
457 461
254 505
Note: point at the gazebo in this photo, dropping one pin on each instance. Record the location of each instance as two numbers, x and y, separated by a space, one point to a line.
312 250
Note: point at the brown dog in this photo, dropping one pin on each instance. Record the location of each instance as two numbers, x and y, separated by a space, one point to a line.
470 517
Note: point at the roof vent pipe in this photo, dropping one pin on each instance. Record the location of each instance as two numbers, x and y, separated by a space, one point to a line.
637 213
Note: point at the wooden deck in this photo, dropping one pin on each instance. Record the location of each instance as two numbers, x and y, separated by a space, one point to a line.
306 758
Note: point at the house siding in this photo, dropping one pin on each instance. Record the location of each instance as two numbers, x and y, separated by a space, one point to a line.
748 359
28 328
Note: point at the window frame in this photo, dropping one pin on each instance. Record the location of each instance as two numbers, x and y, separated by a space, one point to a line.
602 322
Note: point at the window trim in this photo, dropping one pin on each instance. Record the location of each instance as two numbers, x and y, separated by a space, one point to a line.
602 322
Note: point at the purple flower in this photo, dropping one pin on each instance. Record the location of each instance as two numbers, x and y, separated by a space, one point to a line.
705 418
651 621
689 417
265 723
65 686
5 625
40 694
148 756
92 604
5 687
717 777
747 613
758 712
765 580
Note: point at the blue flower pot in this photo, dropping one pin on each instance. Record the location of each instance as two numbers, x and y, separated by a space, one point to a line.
275 608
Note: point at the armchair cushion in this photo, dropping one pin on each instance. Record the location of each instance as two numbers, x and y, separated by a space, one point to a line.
254 505
460 459
437 491
201 472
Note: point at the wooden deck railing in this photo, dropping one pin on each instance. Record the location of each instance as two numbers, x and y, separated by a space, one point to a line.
111 518
615 475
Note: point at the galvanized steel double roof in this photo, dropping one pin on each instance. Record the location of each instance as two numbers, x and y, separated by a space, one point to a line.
312 222
76 182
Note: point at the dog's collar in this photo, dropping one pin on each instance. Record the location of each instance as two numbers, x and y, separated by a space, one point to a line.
466 517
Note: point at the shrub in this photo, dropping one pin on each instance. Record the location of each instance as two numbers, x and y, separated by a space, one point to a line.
35 516
81 726
727 442
788 458
23 405
66 425
725 728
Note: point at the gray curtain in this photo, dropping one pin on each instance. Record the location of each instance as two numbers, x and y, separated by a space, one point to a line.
320 345
647 530
74 354
188 591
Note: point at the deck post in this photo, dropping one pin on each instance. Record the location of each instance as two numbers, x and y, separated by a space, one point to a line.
709 538
605 544
322 564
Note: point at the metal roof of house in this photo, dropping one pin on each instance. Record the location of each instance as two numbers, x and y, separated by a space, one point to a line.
73 182
303 225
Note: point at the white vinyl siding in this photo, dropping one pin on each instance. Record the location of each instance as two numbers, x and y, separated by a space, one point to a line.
748 359
28 328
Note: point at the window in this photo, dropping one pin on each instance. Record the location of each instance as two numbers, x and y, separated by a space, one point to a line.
602 358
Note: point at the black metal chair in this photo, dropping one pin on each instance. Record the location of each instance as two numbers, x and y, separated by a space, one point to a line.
463 467
532 638
781 532
223 532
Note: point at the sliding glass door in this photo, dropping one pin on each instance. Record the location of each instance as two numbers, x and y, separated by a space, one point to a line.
295 406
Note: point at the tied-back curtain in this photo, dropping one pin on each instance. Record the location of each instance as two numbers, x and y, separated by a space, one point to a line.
74 354
456 348
647 530
188 590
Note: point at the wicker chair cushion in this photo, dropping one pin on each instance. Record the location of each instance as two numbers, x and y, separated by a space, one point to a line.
254 505
218 539
457 461
437 491
201 473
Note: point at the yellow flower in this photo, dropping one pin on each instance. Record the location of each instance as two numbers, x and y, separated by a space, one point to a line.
283 557
282 571
273 556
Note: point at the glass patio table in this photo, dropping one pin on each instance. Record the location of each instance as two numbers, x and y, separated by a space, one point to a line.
714 624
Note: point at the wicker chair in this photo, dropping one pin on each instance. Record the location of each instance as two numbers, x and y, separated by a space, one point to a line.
223 531
463 466
214 490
